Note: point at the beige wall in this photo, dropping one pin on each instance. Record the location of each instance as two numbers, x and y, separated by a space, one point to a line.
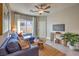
68 16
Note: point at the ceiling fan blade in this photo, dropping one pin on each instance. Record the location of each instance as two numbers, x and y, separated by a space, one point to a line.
37 7
47 11
33 11
47 7
43 4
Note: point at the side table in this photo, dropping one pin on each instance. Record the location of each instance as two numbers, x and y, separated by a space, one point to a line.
40 45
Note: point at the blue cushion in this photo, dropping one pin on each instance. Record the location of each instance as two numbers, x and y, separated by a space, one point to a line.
27 34
12 47
14 35
31 39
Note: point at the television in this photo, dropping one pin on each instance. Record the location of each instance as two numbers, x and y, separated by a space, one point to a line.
58 27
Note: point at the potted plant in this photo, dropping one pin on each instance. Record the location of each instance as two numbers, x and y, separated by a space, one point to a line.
65 38
74 39
71 39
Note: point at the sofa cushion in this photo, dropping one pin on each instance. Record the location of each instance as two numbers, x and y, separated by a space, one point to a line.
12 47
31 39
3 52
14 35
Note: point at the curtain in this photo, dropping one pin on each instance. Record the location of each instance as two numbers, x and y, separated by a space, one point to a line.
21 17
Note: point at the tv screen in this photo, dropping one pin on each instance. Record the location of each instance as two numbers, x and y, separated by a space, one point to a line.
59 27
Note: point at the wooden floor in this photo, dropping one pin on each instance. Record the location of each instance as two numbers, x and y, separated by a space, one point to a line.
49 51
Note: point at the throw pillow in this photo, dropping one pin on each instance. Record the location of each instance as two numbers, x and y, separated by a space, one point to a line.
13 47
24 43
3 52
14 35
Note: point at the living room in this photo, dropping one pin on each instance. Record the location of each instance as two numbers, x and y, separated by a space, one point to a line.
42 26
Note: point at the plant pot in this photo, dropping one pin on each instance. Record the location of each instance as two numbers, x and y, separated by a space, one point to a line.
70 46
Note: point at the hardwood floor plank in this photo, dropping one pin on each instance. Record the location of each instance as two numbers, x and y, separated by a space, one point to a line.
50 51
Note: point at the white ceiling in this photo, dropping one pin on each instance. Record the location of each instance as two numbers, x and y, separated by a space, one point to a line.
26 7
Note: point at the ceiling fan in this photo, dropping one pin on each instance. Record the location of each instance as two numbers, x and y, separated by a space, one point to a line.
42 8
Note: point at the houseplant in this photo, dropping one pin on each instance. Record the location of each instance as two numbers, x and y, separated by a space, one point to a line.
65 38
71 39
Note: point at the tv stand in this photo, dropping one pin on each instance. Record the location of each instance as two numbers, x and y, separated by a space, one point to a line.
55 37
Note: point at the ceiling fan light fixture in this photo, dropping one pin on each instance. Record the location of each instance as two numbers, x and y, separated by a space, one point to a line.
41 11
42 8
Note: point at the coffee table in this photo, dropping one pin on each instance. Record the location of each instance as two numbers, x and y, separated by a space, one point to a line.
39 44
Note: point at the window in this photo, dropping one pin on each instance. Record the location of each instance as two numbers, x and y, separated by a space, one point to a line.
24 26
24 23
29 26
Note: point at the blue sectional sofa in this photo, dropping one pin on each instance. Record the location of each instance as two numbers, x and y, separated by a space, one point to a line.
11 48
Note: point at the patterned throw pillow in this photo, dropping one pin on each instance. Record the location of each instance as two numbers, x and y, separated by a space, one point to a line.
24 43
12 47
